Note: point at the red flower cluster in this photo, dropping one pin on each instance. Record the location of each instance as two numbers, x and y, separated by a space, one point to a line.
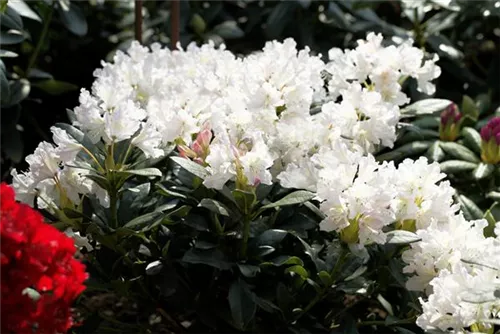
40 277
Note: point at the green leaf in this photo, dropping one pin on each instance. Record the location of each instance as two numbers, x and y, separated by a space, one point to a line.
3 6
435 152
472 139
213 258
228 30
7 54
284 260
197 222
414 148
483 103
386 305
241 303
280 16
4 82
215 206
266 305
489 231
11 19
143 220
23 9
73 19
55 87
100 180
169 193
469 108
39 74
456 166
19 90
150 172
494 195
271 237
416 134
483 170
245 200
427 106
358 272
191 167
459 151
470 209
154 268
297 197
198 24
299 270
11 37
401 237
248 270
427 122
325 278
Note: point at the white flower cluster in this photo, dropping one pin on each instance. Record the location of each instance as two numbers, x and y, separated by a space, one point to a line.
258 108
459 268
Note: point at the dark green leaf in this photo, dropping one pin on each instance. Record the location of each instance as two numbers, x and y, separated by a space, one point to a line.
8 54
24 10
11 19
150 172
469 107
215 206
271 237
11 37
325 278
297 197
401 237
494 195
427 106
19 90
483 170
242 303
427 122
266 305
358 272
154 268
143 220
281 15
472 139
228 30
248 270
435 153
459 151
213 257
405 151
456 166
191 167
55 87
73 19
470 209
197 222
245 200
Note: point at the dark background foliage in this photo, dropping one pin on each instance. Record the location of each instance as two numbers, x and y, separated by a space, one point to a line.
82 33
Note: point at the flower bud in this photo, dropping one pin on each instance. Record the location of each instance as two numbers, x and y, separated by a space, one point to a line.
451 121
350 234
490 141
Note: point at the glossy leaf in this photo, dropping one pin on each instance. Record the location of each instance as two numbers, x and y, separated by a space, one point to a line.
483 170
427 106
242 304
459 151
297 197
401 237
457 166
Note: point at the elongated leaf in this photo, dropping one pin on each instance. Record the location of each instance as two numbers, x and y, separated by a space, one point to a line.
469 108
154 268
483 170
472 139
213 257
19 90
73 19
55 87
11 37
427 106
271 237
297 269
191 167
23 9
242 303
215 206
282 260
228 30
459 151
11 19
456 166
248 270
151 172
435 153
143 220
281 15
470 209
245 200
297 197
494 195
402 237
427 122
410 149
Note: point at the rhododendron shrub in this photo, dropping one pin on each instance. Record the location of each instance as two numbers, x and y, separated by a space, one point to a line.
222 193
40 279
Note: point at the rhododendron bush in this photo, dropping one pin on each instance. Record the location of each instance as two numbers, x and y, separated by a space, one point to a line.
216 193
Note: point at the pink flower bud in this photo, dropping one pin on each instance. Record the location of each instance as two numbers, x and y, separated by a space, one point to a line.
186 152
204 138
490 141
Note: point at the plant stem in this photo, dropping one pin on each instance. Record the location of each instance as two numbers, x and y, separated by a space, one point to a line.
113 201
138 20
45 29
246 234
175 14
101 169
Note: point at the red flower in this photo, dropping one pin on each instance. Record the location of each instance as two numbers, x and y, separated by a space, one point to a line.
40 276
